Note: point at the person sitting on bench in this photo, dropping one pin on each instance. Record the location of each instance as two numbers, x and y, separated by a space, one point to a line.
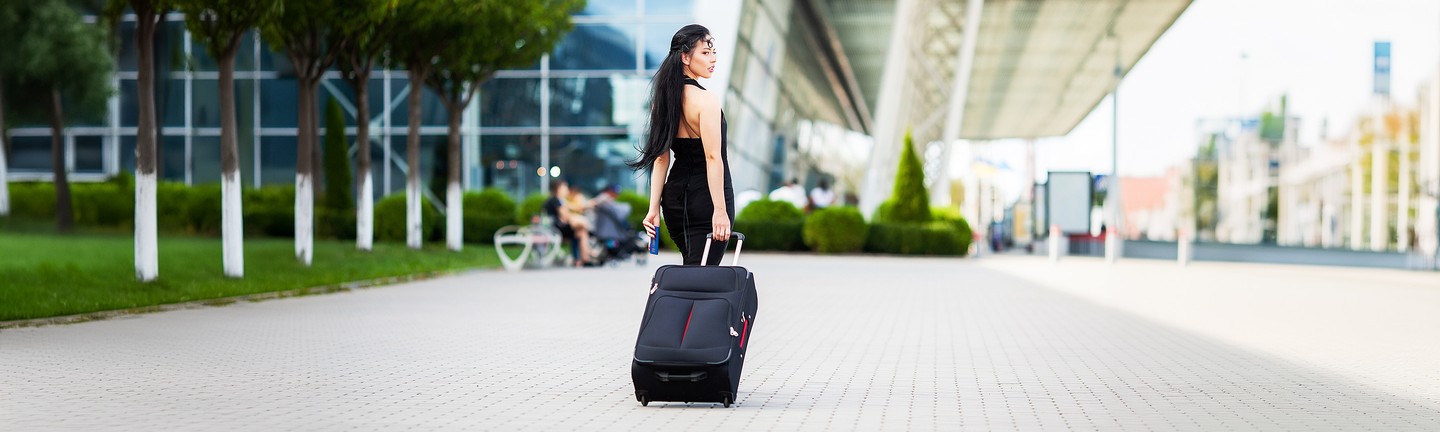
555 208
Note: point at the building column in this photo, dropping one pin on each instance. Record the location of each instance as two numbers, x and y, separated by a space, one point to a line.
1402 199
888 136
1427 223
959 93
1379 187
1357 198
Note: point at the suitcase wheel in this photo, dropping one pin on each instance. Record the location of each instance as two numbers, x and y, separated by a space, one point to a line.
644 401
727 400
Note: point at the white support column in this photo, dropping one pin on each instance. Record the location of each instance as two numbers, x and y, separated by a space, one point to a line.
1402 201
1427 224
255 114
111 145
544 126
1379 187
385 132
189 110
1357 198
1114 243
959 93
888 133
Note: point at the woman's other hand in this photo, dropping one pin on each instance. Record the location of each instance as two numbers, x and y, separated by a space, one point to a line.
651 222
721 226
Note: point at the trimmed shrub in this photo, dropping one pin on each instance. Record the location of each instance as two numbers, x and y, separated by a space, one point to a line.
911 200
336 224
771 225
203 213
639 205
937 238
951 216
107 204
531 207
390 219
33 200
486 212
836 230
172 207
269 211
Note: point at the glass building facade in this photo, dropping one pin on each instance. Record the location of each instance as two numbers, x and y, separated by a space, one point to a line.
576 114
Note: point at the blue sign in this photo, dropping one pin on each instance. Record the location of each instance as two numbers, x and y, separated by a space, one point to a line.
1382 68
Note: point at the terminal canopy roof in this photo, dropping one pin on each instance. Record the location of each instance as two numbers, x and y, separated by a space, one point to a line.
1040 66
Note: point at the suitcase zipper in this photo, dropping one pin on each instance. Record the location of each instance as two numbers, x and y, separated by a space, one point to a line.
745 326
654 286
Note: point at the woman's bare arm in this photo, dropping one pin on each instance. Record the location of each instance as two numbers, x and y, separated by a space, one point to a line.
709 106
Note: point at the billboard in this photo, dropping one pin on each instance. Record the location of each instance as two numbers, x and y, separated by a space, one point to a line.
1068 195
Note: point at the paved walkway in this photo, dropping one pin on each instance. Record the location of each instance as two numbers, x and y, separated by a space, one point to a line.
841 343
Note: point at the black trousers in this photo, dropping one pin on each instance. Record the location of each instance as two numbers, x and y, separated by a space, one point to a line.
685 204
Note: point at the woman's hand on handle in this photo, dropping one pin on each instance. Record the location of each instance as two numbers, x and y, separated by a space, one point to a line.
721 225
652 223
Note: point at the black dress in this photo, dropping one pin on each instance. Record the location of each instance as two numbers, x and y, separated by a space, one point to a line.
685 201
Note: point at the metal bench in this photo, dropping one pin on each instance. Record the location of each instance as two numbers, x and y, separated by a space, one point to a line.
541 244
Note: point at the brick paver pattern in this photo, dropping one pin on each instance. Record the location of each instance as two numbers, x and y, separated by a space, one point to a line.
841 343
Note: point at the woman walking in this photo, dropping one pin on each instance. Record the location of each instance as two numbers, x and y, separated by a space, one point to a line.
685 150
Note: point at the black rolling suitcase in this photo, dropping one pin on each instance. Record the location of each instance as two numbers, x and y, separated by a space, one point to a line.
693 335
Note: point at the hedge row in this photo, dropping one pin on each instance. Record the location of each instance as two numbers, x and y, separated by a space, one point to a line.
269 211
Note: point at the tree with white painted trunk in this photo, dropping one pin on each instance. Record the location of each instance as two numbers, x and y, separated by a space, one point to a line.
9 21
302 31
363 29
218 25
502 35
148 15
424 29
55 69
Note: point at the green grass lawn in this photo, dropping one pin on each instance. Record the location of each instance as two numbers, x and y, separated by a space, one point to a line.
46 274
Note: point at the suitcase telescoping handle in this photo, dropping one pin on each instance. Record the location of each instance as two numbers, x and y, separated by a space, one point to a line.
705 256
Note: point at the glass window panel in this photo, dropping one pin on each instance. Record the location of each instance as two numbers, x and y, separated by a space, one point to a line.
596 46
205 104
278 105
129 104
200 57
170 46
657 42
30 153
205 160
668 8
172 158
617 100
170 102
245 54
127 59
509 162
89 154
610 7
592 162
277 160
510 102
127 154
432 110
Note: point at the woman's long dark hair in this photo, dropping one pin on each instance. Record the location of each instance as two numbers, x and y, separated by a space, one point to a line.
667 97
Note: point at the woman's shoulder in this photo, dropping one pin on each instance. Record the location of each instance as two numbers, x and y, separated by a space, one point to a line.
701 97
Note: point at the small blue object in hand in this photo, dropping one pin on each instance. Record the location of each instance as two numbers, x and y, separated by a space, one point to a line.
654 245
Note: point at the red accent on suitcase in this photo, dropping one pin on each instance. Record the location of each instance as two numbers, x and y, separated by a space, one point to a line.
744 332
687 324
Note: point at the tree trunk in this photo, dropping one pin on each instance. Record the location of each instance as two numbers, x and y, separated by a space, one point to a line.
147 265
4 149
364 227
304 172
64 217
454 228
413 236
232 227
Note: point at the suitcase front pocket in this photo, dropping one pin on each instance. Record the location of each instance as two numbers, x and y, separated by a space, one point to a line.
686 330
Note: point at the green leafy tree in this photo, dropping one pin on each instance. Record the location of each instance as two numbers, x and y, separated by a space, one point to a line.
362 31
911 202
423 29
9 23
495 35
301 29
56 69
218 25
148 15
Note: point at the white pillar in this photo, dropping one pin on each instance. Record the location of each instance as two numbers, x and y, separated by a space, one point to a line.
1113 239
1379 187
1357 199
1402 202
880 172
1427 224
959 93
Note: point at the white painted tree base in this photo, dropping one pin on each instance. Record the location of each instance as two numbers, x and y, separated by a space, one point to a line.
412 215
4 184
232 227
454 228
304 219
365 215
147 262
